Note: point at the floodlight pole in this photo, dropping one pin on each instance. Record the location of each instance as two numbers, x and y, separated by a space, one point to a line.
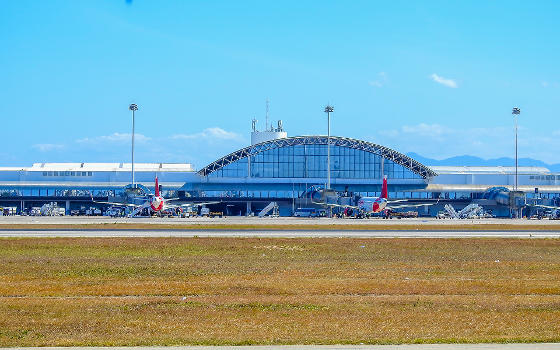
516 111
133 107
329 109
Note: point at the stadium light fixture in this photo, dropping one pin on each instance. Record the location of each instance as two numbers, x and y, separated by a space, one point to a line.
515 112
133 107
329 109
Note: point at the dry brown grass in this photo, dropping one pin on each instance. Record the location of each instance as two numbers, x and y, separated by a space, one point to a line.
169 291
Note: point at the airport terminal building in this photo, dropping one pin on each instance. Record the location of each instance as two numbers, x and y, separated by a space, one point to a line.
281 169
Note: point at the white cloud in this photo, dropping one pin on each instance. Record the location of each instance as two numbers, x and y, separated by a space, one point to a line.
549 84
210 134
115 137
198 148
392 133
440 141
47 147
429 130
444 81
380 81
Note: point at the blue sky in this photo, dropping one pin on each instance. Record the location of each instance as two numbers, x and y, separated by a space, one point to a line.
438 78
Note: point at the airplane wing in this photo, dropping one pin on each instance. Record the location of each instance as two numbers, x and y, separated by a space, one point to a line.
409 205
194 203
116 204
397 201
186 205
198 204
543 206
336 205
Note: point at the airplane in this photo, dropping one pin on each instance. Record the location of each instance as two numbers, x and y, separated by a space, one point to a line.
554 211
370 205
156 203
503 196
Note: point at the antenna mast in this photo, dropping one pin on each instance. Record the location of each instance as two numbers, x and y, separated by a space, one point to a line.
266 125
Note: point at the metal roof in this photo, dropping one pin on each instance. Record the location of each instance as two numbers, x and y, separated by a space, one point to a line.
167 167
385 152
489 170
484 188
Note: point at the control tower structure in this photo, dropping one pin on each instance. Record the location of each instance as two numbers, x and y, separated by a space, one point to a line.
269 133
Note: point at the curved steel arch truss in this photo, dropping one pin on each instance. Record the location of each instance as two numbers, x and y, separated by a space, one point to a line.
382 151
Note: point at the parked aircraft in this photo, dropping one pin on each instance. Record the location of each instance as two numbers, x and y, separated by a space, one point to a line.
369 205
554 212
516 199
155 202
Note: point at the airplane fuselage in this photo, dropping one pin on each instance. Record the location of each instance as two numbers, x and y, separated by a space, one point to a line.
372 204
157 203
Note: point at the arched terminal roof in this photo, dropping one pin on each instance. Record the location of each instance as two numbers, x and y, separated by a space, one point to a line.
382 151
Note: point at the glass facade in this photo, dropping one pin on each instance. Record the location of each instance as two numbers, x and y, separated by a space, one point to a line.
310 161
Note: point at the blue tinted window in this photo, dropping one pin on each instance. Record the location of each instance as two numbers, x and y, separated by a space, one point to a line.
310 161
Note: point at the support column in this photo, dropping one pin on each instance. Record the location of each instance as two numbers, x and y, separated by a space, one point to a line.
248 208
67 207
249 166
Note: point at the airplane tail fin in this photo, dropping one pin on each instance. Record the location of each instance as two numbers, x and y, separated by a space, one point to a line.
384 188
157 187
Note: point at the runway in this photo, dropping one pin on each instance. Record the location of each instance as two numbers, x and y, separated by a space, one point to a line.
256 221
255 233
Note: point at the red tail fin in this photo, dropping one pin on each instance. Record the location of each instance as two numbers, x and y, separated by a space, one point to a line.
157 188
384 188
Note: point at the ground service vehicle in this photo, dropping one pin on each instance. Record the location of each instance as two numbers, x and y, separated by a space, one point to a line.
306 212
401 214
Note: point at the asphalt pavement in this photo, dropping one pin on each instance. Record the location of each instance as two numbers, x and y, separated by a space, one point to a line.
242 220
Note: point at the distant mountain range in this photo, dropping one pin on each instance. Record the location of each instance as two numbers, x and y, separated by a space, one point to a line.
476 161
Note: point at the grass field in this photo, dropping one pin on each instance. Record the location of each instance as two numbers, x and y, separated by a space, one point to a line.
172 291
